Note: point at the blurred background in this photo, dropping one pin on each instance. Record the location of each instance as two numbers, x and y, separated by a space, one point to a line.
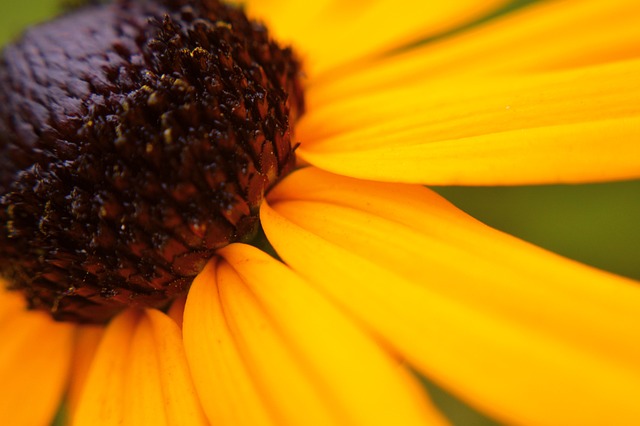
595 224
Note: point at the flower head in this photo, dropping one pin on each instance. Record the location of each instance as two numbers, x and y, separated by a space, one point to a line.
136 146
134 156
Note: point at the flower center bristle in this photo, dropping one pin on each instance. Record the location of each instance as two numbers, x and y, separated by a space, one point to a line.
136 138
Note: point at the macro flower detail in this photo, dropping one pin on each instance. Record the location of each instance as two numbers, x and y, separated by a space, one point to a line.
134 147
366 282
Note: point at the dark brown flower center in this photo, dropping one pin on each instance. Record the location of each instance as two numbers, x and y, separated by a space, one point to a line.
136 138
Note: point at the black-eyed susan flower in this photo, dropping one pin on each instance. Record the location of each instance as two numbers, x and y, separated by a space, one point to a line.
145 143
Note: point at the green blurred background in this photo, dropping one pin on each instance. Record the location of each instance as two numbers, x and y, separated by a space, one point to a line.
595 224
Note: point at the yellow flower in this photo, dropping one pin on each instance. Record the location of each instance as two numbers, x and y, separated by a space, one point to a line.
378 275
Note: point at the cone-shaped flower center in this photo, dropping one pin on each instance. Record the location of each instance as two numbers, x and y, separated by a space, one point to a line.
136 138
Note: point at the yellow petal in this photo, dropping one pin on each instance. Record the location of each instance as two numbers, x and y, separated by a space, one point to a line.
245 366
35 360
358 381
86 344
567 126
226 388
520 333
543 36
176 310
139 375
102 400
278 373
342 32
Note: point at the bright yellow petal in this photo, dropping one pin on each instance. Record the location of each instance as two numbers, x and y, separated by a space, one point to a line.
176 310
139 375
35 360
102 400
522 334
245 365
225 386
277 371
86 344
179 397
544 36
332 33
567 126
358 381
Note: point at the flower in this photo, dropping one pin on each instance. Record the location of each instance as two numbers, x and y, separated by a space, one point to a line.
378 275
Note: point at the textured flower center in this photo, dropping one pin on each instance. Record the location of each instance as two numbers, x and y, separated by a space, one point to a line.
136 138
